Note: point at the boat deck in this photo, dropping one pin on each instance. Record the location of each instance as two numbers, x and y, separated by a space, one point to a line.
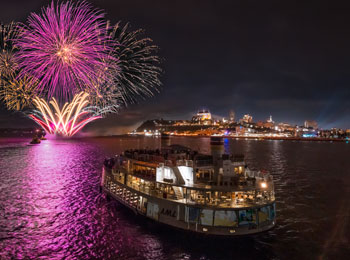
222 202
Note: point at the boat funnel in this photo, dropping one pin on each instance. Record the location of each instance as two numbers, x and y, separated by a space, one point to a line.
216 147
164 140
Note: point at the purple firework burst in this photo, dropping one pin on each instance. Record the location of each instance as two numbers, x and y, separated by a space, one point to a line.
66 49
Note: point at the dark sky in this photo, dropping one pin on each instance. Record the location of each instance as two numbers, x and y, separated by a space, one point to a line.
290 59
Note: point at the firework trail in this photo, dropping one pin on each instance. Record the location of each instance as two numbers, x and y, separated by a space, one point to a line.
138 64
66 48
8 32
17 94
12 91
66 121
8 63
137 74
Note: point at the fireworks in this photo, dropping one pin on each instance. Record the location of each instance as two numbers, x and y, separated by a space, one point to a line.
138 74
8 32
17 94
66 121
66 48
8 64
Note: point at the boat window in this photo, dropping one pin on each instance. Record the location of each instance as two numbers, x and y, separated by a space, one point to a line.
264 214
247 217
225 218
192 214
206 217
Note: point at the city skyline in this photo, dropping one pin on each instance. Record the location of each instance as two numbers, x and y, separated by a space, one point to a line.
124 126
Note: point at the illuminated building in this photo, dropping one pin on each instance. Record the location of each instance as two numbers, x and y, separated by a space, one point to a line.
286 127
246 119
240 130
232 116
270 120
310 124
202 117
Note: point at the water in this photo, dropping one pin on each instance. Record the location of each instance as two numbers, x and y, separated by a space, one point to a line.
51 207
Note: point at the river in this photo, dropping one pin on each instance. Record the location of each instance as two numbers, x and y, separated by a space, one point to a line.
51 206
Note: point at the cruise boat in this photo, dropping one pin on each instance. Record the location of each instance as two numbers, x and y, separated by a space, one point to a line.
214 194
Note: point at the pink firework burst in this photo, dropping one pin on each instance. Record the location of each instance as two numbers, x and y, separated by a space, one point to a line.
66 48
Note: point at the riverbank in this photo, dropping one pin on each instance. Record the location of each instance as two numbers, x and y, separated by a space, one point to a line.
282 138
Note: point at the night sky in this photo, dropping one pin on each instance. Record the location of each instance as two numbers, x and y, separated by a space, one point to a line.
290 59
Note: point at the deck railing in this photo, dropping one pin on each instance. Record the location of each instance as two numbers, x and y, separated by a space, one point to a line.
200 199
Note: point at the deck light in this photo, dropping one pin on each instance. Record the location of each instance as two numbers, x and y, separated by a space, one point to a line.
263 185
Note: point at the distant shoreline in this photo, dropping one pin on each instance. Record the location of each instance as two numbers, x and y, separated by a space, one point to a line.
301 139
313 139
